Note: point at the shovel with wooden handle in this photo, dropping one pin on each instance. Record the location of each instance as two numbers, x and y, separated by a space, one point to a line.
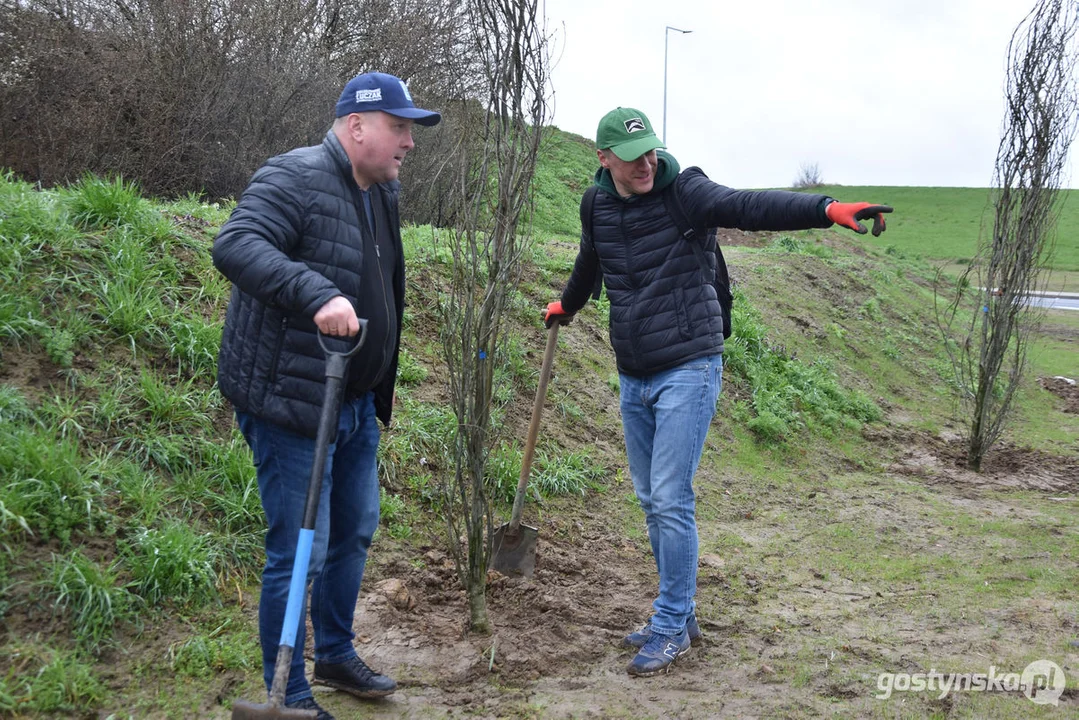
515 544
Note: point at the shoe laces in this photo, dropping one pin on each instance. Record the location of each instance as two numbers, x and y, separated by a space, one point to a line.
309 703
360 668
657 645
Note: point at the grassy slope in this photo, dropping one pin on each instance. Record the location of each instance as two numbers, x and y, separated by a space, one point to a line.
128 501
569 163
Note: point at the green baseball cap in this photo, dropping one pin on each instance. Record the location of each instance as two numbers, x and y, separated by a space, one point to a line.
627 133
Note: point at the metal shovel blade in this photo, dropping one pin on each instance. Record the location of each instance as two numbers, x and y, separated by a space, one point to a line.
244 710
515 553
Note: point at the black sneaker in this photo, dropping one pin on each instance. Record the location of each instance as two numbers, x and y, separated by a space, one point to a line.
354 677
308 703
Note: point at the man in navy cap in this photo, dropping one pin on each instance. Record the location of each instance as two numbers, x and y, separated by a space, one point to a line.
314 244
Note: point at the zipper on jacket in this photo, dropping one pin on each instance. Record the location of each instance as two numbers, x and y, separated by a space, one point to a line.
382 281
357 199
277 350
630 267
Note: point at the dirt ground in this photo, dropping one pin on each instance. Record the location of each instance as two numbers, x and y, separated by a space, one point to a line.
1066 389
555 651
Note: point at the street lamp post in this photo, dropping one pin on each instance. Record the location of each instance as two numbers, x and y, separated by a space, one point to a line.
665 36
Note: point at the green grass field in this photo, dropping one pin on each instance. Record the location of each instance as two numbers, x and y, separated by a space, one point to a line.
939 224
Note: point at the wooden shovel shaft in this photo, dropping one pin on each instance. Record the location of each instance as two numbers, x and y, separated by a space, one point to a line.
533 430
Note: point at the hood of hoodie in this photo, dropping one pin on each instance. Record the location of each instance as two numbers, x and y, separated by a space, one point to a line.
665 174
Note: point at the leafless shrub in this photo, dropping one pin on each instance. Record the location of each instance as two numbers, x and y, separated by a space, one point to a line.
1012 260
490 188
808 177
192 95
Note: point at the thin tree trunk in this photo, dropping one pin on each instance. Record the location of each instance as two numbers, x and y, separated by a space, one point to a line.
492 188
1012 258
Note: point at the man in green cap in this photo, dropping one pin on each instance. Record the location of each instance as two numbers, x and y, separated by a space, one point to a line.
667 331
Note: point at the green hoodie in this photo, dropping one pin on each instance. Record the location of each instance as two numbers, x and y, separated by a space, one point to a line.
665 174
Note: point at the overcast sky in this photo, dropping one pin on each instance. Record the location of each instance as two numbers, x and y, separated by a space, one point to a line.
903 92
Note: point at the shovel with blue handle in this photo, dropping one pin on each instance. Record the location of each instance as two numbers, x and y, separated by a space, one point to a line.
336 370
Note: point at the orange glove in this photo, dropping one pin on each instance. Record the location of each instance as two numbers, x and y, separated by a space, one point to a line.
555 312
848 215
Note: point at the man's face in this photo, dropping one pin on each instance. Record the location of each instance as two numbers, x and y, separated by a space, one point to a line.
630 178
381 142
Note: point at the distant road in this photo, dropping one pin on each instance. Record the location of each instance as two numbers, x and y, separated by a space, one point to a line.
1056 300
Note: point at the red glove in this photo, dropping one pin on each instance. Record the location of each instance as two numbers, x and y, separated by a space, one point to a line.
555 312
848 215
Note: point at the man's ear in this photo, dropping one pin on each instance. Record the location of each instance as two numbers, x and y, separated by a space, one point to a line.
356 126
603 159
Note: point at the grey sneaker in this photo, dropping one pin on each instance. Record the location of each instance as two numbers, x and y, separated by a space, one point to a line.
640 637
658 654
354 677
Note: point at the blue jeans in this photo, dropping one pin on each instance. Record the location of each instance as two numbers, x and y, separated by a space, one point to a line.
346 523
665 418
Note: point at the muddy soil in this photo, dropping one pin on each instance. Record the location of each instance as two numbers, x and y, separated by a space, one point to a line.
942 459
1066 389
555 648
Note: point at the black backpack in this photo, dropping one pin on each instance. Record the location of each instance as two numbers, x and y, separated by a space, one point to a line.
714 272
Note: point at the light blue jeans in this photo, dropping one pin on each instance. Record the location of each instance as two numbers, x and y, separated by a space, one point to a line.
346 523
665 418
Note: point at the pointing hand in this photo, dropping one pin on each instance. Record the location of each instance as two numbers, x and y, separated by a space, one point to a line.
848 215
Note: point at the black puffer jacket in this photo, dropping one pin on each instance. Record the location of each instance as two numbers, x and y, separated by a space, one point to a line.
663 313
297 239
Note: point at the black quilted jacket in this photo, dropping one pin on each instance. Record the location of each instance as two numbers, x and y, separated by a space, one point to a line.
293 243
663 313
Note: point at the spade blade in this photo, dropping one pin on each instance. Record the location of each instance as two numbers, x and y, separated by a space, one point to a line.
515 553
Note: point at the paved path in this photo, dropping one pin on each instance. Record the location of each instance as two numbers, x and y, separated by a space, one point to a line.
1056 301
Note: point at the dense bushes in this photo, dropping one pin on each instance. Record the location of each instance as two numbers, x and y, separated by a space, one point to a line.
193 96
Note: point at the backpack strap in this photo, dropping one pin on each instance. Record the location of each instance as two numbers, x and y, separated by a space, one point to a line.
721 279
678 214
588 204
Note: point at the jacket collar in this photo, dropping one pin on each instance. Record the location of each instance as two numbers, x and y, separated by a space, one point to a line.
337 152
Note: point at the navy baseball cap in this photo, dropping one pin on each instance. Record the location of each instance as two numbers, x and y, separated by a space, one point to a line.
379 91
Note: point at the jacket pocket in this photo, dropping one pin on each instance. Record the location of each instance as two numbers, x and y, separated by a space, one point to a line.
684 329
279 346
